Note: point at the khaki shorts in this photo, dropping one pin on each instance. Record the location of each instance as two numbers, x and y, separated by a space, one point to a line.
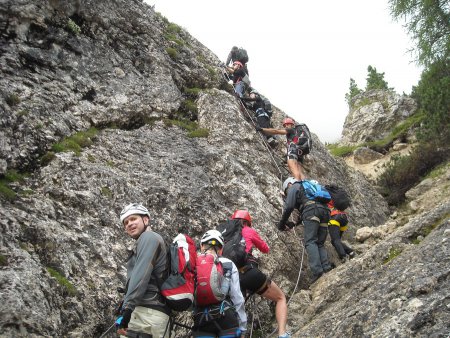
149 321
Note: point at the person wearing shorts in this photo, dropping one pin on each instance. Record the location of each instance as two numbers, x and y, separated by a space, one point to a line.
253 280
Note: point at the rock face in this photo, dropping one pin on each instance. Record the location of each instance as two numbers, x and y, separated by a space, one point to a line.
374 114
62 249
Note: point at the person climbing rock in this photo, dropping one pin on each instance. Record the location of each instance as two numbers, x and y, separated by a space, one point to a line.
337 225
315 217
238 76
213 317
298 144
253 280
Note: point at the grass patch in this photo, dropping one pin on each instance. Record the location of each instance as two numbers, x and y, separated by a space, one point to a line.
340 151
3 260
5 190
172 52
68 287
201 132
393 252
73 27
76 142
439 170
12 100
91 158
174 38
192 92
106 192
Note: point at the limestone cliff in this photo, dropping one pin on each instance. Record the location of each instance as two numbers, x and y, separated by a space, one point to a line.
127 71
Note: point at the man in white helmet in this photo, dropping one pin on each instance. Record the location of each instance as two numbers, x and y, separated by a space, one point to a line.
233 321
144 311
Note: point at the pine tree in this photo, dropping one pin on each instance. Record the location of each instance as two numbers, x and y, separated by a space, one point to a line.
353 91
375 80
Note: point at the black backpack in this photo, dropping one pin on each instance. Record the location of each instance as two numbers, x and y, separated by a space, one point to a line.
267 106
303 138
234 243
242 56
340 197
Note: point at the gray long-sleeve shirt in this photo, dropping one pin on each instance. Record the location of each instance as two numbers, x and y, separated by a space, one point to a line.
145 266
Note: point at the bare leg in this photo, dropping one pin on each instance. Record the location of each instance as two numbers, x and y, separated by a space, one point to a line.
296 169
275 294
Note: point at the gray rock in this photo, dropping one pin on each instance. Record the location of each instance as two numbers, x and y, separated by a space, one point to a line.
365 155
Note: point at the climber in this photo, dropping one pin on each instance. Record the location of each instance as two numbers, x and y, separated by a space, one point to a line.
238 54
226 318
336 227
239 78
254 280
315 217
298 144
263 111
146 264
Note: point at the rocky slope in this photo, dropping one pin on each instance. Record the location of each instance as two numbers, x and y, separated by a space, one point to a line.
62 248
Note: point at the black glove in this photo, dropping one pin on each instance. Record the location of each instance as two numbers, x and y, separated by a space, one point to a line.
258 128
126 316
281 227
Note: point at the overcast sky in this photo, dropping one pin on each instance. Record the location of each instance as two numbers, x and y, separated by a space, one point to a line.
303 53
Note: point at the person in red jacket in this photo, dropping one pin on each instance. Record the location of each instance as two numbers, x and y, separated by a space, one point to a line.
254 280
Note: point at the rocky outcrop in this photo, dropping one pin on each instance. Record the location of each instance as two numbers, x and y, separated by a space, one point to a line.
62 249
373 115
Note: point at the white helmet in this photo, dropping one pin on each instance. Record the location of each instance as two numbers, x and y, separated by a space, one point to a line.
289 180
133 209
210 235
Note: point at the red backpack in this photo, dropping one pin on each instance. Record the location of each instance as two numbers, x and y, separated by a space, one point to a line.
178 288
213 279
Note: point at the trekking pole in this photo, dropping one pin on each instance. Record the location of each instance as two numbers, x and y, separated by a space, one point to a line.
253 319
108 331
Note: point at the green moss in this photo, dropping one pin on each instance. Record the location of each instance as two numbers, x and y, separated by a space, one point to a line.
173 53
110 163
68 287
189 105
415 241
211 71
12 100
5 190
26 192
91 158
3 260
73 27
23 112
151 120
393 252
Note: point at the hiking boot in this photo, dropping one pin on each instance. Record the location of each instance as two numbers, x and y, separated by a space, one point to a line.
351 255
316 277
285 335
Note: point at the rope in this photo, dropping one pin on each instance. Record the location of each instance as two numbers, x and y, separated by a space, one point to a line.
107 331
263 139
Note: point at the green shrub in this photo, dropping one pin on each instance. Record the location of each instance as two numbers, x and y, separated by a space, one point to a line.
73 27
12 100
173 53
172 37
68 287
192 92
10 177
173 28
403 172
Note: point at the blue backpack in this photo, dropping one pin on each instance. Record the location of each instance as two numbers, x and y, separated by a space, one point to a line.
315 192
